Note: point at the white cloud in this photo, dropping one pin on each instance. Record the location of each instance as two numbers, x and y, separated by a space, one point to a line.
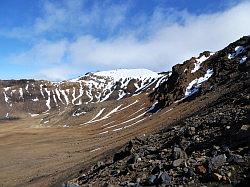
57 73
42 54
72 17
167 45
156 43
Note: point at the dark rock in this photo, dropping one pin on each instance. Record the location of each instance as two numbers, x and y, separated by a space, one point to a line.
185 170
178 153
164 178
184 144
100 164
116 172
217 161
131 167
125 183
192 162
235 158
190 131
190 172
134 158
217 176
201 169
123 153
225 149
151 149
156 169
178 162
151 179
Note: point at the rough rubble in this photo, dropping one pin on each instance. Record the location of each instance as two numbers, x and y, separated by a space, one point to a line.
209 148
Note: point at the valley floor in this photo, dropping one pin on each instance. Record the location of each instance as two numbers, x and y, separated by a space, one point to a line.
41 156
48 156
35 156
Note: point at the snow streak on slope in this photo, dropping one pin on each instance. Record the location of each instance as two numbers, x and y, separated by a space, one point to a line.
90 88
97 115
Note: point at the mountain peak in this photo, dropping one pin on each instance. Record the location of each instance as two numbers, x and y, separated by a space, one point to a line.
118 74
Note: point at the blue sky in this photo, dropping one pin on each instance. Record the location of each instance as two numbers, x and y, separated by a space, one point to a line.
61 39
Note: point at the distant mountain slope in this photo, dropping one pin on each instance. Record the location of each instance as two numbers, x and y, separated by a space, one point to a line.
39 96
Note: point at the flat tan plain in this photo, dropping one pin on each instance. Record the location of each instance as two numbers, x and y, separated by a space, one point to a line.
33 156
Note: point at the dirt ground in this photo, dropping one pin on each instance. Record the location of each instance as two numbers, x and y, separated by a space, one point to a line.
32 156
48 156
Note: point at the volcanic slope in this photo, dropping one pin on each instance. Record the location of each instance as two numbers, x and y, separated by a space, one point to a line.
51 131
204 113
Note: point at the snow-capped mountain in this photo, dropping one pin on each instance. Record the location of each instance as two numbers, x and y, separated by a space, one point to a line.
37 96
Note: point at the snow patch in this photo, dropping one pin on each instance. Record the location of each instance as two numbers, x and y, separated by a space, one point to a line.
238 50
54 97
65 96
97 115
134 123
162 79
121 94
35 100
243 59
48 99
95 150
198 63
21 93
33 115
77 113
105 132
58 95
118 74
6 98
194 85
7 88
167 111
117 129
153 108
136 101
108 124
27 88
41 90
132 119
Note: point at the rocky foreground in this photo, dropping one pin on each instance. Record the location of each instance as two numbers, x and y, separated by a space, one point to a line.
208 148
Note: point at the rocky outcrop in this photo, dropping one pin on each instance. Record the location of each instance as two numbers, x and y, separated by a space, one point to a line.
207 72
210 148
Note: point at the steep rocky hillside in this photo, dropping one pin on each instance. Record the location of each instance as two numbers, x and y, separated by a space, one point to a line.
205 73
204 112
192 125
